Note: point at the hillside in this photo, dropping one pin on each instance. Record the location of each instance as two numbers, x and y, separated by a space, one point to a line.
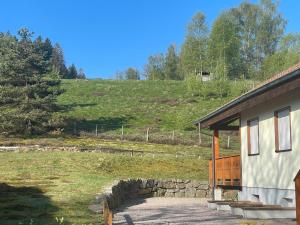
161 106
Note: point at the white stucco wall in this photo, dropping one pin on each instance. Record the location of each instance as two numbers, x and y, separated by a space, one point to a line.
270 169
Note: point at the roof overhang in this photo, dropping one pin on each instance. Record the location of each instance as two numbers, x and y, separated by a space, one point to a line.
278 85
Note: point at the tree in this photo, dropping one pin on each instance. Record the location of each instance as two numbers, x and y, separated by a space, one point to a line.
193 56
287 55
72 72
171 70
154 70
224 51
271 28
81 74
58 61
27 95
261 27
132 74
119 75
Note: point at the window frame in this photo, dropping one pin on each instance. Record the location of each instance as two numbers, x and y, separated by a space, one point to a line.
249 137
276 129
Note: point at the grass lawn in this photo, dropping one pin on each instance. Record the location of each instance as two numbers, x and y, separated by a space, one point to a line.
38 187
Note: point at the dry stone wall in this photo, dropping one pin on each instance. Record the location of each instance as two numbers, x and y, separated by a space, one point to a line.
124 190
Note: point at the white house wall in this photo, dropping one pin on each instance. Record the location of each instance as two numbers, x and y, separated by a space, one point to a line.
270 170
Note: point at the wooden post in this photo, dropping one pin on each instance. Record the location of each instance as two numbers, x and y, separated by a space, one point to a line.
297 193
173 135
122 135
215 156
96 130
216 144
199 130
75 128
147 135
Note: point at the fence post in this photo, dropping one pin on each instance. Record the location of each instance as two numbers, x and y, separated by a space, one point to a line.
122 136
228 142
96 130
199 130
75 128
131 152
147 135
173 135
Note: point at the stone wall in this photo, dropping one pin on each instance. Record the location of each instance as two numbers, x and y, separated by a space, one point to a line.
124 190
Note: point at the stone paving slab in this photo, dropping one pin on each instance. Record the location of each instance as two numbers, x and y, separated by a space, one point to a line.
185 211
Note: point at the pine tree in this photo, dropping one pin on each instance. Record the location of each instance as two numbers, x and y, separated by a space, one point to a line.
81 74
27 95
171 65
58 61
72 72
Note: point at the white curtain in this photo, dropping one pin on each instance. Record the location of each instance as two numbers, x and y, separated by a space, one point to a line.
254 137
284 132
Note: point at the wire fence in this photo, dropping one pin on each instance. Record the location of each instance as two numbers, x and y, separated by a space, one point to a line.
228 139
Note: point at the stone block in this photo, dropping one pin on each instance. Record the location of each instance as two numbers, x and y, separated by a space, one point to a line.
145 191
179 194
180 185
201 194
190 193
169 185
170 194
161 192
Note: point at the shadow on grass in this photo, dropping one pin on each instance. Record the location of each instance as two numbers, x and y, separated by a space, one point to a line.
25 205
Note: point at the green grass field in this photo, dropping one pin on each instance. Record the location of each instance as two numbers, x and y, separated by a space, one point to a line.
38 187
56 187
161 106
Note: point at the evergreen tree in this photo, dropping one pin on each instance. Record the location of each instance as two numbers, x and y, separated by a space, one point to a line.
171 65
81 74
27 95
72 72
58 61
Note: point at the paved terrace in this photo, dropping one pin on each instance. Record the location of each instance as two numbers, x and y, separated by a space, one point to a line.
180 211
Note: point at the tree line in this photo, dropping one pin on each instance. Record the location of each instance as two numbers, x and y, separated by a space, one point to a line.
53 55
245 42
30 73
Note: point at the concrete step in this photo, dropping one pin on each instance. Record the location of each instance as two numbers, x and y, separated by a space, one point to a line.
264 212
226 206
213 204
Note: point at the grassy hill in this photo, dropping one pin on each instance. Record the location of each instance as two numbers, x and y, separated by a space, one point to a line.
44 185
161 106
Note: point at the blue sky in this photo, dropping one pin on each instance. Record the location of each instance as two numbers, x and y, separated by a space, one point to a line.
105 36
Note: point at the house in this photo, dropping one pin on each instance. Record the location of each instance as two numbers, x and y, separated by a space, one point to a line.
268 120
206 76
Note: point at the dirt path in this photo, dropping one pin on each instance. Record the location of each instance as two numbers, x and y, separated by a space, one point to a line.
179 211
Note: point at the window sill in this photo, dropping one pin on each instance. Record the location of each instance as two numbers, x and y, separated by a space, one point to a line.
285 150
253 154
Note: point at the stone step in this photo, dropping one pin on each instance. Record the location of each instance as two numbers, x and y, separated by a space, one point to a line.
264 212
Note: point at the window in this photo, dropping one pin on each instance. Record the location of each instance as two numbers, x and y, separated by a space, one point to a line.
253 137
282 130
